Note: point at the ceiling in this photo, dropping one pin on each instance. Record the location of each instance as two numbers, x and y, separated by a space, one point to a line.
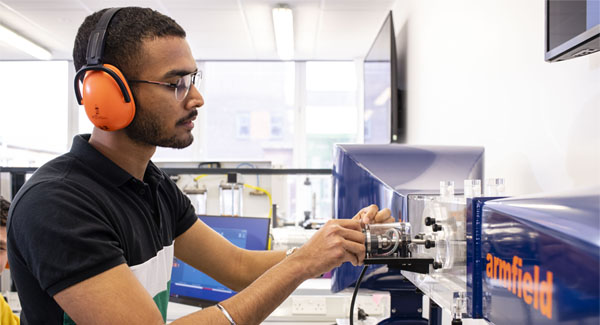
216 29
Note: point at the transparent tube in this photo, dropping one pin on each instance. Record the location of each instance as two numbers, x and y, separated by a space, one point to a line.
472 188
494 187
230 199
197 196
447 189
199 202
388 239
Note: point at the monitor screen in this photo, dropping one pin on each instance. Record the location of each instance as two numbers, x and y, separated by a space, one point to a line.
572 28
190 286
384 112
378 87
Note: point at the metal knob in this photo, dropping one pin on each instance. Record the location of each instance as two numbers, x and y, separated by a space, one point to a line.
429 221
429 243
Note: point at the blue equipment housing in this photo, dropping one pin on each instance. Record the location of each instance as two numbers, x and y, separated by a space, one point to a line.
541 257
387 175
528 260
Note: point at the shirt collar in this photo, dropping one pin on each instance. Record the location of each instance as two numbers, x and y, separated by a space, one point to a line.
95 160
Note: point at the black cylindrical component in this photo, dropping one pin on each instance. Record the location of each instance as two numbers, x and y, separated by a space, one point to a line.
429 221
372 244
429 243
457 321
436 227
437 265
403 249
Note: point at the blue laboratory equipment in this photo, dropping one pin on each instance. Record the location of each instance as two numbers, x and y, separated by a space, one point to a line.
489 260
405 179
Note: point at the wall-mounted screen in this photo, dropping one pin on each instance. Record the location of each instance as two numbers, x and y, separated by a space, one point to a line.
572 28
384 111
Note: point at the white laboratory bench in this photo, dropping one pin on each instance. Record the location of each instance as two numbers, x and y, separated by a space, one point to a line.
176 311
312 303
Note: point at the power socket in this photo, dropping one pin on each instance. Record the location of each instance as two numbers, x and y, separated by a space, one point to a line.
309 306
369 305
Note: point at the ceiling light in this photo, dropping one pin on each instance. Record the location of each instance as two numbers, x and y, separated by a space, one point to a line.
283 22
13 39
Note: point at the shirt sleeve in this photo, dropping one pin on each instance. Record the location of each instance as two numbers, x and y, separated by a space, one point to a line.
185 215
59 231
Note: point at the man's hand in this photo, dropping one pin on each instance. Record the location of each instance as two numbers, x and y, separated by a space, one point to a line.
338 241
372 214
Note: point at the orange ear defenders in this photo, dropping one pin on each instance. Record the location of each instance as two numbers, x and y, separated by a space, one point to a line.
105 94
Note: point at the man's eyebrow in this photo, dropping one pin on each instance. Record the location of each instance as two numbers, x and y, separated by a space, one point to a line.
178 73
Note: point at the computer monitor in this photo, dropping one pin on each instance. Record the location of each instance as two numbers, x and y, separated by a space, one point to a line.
192 287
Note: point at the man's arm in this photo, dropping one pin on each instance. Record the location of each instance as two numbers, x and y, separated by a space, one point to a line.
116 297
235 267
207 251
337 242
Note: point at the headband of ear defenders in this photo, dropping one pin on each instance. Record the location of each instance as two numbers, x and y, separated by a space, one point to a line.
95 54
97 40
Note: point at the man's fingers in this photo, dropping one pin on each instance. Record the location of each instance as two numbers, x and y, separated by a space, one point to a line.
356 251
369 211
353 235
384 216
349 224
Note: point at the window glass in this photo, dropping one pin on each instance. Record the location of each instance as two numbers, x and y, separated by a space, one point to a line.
331 110
249 111
331 117
33 111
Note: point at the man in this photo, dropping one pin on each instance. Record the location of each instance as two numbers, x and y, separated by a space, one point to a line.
6 315
104 222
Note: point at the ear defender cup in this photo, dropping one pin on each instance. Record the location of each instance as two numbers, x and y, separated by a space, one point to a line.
104 99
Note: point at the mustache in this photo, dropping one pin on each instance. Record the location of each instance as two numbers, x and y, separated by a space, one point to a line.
190 116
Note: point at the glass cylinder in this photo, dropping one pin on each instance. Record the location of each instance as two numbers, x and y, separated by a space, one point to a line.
230 199
388 239
198 198
494 187
447 189
472 188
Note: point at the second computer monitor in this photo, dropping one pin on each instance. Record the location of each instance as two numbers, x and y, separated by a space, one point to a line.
190 286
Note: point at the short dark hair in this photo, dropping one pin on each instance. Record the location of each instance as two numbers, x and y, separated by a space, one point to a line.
127 30
4 206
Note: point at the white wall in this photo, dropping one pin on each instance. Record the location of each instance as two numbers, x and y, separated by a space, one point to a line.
477 76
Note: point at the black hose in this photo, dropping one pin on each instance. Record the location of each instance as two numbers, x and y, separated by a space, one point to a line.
362 273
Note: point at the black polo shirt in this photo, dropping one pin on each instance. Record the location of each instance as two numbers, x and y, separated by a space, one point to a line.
80 215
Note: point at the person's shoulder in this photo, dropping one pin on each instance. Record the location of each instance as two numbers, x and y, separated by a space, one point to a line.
55 180
55 169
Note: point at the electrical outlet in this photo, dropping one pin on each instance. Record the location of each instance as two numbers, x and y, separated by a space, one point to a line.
309 306
369 305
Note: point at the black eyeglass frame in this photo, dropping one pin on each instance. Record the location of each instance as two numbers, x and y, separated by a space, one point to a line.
192 75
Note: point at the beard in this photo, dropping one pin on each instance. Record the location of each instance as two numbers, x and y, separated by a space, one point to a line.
147 128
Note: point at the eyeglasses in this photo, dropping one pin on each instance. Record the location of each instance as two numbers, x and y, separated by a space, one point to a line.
182 85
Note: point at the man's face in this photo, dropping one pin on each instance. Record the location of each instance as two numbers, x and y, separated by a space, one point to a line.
3 257
160 119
